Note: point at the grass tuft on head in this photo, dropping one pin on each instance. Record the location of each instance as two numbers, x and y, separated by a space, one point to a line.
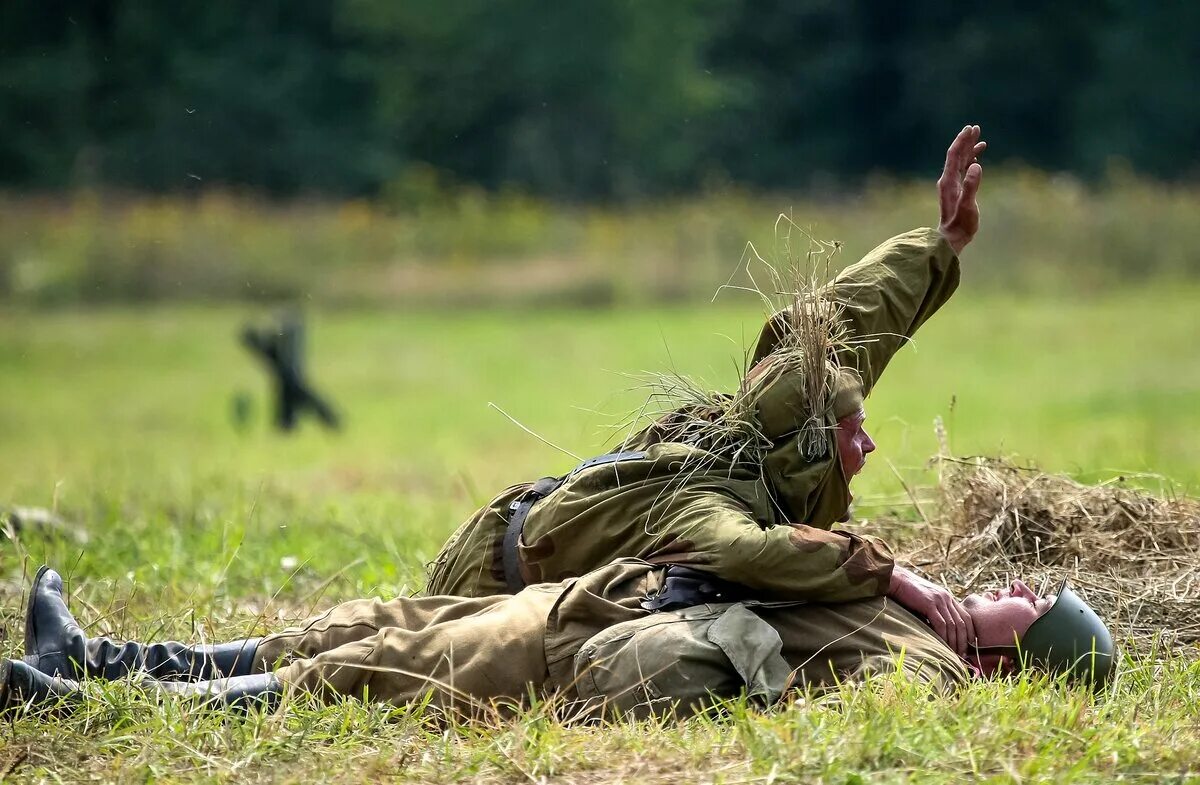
810 337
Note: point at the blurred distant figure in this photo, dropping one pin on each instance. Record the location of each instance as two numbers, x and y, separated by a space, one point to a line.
282 349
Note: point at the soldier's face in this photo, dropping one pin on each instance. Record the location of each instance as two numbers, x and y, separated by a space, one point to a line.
854 443
1002 616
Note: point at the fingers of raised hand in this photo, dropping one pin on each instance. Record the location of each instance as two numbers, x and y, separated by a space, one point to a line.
957 151
971 181
963 151
967 153
950 188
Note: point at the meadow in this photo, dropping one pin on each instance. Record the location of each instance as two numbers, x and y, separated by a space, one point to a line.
120 417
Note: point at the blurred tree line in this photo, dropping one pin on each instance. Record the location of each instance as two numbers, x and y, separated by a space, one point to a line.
579 99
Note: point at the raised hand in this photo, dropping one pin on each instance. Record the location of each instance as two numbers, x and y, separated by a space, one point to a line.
958 186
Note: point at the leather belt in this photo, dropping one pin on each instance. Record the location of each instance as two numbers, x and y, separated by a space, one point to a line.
519 509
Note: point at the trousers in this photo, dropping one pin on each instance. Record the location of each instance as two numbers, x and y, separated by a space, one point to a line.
590 639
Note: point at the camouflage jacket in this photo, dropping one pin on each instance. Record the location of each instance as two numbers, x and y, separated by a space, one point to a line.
673 507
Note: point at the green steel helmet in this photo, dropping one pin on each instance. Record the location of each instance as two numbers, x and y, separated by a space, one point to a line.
1069 638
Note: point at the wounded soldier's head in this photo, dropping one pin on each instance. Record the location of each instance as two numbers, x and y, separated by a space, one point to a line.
1016 628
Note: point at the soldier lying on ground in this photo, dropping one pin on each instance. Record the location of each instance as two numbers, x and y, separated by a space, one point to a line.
628 637
749 486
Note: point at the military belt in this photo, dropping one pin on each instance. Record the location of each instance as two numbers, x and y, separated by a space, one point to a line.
685 587
519 509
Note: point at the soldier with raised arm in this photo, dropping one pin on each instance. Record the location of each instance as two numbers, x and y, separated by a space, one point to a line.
761 518
699 559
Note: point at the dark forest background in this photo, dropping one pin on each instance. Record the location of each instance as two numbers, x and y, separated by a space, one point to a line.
582 100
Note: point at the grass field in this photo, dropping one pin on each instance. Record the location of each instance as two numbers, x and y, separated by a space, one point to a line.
121 419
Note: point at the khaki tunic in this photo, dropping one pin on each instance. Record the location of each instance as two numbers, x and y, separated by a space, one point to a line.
588 639
722 519
715 521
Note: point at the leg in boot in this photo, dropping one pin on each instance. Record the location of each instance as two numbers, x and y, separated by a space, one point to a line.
258 690
23 687
108 659
55 644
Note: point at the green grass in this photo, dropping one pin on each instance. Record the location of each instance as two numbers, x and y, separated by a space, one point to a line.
121 420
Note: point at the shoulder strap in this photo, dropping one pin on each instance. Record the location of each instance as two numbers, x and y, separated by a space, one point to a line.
612 457
518 511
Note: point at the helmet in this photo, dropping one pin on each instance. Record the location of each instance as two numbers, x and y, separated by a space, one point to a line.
1068 638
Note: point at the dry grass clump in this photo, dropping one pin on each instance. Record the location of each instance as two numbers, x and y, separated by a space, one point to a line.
791 286
1134 555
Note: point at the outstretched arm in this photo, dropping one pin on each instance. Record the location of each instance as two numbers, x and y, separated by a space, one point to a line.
888 295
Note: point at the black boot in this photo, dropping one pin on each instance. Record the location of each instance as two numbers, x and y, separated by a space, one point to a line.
259 690
56 645
25 687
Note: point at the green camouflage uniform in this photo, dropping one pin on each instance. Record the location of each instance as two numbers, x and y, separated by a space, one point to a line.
765 526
